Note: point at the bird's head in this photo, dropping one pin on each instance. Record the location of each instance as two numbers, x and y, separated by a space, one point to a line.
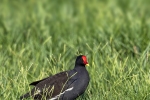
81 60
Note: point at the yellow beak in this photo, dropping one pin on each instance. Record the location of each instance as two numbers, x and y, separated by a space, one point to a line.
87 65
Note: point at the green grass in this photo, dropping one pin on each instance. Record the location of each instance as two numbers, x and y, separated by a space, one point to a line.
39 38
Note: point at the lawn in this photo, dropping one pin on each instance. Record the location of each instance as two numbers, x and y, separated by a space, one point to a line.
39 38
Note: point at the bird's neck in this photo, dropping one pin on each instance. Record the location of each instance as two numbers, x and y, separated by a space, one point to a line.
80 68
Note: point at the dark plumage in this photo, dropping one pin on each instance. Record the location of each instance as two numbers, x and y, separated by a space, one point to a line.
67 85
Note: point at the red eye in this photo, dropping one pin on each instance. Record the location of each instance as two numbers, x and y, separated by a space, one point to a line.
84 60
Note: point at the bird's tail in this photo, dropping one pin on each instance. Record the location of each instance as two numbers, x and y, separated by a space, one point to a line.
29 94
25 96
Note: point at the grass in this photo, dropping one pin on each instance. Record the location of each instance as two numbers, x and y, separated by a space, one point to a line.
42 38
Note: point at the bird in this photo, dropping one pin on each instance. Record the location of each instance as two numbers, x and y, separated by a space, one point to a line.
66 85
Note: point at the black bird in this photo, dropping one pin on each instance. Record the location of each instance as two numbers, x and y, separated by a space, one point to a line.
67 85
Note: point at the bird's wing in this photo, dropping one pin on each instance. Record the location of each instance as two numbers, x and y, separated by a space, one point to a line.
55 86
36 82
50 78
51 86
